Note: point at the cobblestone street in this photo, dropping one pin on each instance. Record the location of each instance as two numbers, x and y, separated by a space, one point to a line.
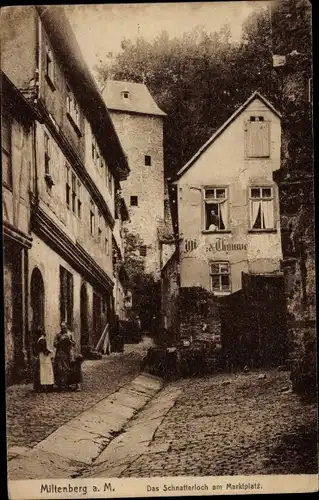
31 416
237 424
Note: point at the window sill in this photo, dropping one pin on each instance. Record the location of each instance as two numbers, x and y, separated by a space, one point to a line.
74 125
258 231
50 83
221 294
220 231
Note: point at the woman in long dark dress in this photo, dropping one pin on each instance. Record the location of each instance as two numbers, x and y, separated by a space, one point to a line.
43 369
64 344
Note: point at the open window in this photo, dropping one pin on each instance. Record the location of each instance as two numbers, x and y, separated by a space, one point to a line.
215 209
261 203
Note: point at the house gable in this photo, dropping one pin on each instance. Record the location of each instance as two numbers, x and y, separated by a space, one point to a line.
254 105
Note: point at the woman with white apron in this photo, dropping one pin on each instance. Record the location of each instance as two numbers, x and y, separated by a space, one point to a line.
43 376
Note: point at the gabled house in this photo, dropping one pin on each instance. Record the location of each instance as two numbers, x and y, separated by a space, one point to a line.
227 201
223 283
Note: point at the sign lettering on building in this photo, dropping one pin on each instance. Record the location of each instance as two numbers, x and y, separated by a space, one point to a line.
220 245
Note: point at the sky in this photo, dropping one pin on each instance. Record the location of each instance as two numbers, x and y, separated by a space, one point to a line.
100 28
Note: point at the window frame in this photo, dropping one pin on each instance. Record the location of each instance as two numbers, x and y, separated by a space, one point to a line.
79 199
92 218
143 251
67 186
220 291
8 154
73 110
216 201
66 297
49 67
261 118
267 199
148 158
133 205
47 156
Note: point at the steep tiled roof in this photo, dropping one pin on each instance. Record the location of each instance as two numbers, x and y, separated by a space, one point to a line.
139 99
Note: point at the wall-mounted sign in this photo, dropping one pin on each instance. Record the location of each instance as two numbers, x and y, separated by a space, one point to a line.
220 245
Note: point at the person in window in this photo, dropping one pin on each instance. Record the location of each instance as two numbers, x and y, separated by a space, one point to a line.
213 220
43 372
64 344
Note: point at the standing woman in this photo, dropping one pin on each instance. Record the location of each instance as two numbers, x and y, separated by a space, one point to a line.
64 344
43 374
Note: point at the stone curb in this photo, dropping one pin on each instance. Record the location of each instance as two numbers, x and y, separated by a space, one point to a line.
78 443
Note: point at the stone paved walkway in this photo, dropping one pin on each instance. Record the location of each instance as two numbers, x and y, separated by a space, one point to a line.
233 424
31 416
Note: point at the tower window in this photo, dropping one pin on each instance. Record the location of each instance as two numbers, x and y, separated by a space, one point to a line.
143 250
134 201
148 160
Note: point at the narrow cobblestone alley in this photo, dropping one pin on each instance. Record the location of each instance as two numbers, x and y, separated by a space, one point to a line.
31 416
236 424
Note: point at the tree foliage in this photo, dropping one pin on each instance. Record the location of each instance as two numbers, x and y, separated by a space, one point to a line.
144 288
200 78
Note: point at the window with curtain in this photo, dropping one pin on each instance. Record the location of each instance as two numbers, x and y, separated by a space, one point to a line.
215 209
261 202
220 277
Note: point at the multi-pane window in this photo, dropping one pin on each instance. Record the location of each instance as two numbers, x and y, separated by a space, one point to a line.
134 201
66 297
215 209
220 277
67 185
148 160
79 192
99 228
49 65
143 251
261 203
74 192
92 217
6 157
257 135
46 153
72 107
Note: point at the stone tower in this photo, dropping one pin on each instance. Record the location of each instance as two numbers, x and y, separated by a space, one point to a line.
139 123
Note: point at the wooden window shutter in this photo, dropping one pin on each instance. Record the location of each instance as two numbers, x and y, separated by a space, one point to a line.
258 139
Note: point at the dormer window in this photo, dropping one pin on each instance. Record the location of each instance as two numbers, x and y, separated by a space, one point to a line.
125 94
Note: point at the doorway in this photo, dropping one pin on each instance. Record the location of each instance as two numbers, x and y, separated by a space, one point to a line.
37 308
84 316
